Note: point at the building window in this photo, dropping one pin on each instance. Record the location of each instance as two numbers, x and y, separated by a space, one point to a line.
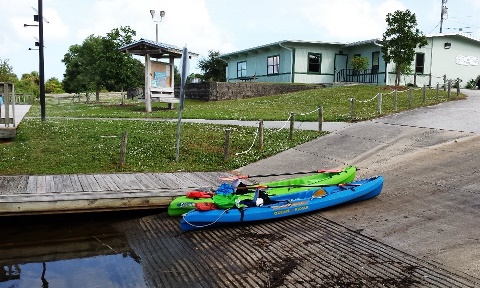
241 69
375 62
314 62
420 63
273 64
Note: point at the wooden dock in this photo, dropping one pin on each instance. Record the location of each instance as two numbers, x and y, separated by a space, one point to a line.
53 194
8 127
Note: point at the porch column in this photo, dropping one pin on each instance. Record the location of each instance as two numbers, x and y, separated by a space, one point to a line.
148 68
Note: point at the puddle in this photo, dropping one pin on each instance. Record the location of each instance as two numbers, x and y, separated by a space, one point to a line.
66 252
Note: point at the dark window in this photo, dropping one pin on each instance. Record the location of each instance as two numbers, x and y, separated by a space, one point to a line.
419 63
375 62
241 69
314 62
273 64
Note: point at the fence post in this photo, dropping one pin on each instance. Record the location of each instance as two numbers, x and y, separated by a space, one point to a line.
395 100
292 125
352 108
320 118
424 92
260 135
458 86
227 144
445 82
123 150
379 103
436 92
409 97
449 88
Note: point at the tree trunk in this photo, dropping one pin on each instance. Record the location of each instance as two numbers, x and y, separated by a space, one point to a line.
97 93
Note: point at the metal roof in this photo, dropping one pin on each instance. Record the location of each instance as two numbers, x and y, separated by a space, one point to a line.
375 41
279 43
155 49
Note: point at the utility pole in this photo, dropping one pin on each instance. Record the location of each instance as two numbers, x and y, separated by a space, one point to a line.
444 14
41 59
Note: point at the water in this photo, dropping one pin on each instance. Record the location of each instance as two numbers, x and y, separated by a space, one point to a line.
67 251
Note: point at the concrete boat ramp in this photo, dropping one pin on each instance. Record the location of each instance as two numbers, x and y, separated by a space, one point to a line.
51 194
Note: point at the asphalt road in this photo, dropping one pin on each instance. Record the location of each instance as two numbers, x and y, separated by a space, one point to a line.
430 204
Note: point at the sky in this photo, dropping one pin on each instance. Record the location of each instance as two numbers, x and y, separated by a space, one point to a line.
218 25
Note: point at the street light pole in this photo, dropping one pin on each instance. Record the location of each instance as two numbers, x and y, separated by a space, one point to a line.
41 59
162 14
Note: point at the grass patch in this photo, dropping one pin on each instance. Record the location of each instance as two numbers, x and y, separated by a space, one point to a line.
335 102
68 142
66 146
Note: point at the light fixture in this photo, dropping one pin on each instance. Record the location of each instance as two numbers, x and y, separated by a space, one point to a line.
447 45
162 14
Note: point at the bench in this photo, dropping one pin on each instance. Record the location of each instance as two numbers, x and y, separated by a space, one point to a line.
73 98
158 95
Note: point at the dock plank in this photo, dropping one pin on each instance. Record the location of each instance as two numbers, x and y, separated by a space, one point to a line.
32 184
41 185
50 194
92 182
49 184
132 182
76 185
111 186
84 183
58 183
147 180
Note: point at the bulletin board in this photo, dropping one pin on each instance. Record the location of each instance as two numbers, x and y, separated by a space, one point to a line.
161 75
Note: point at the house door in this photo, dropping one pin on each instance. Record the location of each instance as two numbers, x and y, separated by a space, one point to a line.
340 64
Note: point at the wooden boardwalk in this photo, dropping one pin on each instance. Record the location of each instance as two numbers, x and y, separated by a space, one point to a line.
50 194
8 127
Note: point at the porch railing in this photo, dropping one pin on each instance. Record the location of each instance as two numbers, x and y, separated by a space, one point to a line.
363 76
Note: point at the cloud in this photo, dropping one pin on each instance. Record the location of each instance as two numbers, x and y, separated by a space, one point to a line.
349 20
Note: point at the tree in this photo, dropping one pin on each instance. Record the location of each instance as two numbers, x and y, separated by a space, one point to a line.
6 72
29 84
53 86
400 40
82 73
98 63
127 71
213 67
359 63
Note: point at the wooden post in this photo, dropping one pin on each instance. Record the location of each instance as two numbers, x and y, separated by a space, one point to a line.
292 125
458 86
449 88
436 92
444 82
260 135
379 103
123 150
395 100
320 118
227 144
352 108
415 79
409 97
424 93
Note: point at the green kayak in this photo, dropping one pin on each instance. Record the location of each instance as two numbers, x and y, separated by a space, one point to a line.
183 204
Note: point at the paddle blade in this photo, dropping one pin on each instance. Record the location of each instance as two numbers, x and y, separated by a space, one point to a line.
330 171
233 178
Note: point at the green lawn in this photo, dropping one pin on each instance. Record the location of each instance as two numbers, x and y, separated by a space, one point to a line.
81 145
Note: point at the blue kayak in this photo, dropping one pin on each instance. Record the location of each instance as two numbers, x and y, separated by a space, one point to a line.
308 200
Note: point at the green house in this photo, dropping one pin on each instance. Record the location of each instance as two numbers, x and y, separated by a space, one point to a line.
446 56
